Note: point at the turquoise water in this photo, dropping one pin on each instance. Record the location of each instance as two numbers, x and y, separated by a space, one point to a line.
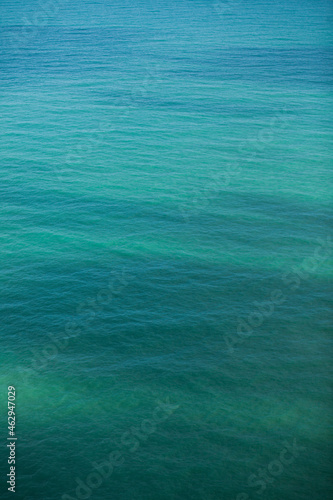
166 248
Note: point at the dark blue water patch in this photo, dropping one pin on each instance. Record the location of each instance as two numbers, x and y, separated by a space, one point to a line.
304 67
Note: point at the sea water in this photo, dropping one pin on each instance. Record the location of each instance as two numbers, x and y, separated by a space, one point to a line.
165 230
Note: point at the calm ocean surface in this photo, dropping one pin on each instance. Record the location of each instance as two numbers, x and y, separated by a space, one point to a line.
165 245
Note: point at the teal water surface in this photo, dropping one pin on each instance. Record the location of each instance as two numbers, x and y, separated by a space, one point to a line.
166 248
